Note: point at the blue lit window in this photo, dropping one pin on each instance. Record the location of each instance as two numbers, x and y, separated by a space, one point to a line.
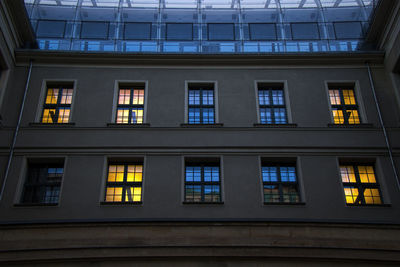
179 31
271 102
348 30
201 105
50 29
262 31
94 30
202 183
280 184
137 31
305 31
221 31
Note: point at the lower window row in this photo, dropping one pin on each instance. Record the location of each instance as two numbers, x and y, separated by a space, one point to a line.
202 183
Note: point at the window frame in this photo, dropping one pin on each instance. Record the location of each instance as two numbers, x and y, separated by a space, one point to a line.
205 162
195 83
37 26
348 21
304 39
260 23
150 30
92 38
359 185
166 31
42 98
221 40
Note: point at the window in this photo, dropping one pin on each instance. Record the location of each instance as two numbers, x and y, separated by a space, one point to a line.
201 104
262 31
202 183
179 31
130 104
50 29
348 30
124 183
360 185
271 102
94 30
57 104
280 184
343 105
221 31
305 31
42 184
137 31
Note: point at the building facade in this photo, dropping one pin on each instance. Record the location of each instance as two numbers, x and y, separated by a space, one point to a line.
200 151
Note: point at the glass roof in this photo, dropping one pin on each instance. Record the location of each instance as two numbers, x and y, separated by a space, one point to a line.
207 4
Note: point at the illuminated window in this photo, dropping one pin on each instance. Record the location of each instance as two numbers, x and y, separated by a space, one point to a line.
280 184
360 185
271 102
124 183
42 185
202 183
130 105
57 104
201 104
344 106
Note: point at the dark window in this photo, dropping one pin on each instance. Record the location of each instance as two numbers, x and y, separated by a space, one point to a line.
42 185
201 105
344 106
130 105
271 102
50 29
179 31
262 31
221 31
124 183
202 183
57 104
360 185
280 184
137 31
94 30
348 30
305 31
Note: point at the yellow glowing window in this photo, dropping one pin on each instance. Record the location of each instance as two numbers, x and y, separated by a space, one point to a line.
130 106
124 183
344 106
360 185
57 105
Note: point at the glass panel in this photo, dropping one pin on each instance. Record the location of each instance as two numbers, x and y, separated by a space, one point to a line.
137 116
193 193
263 97
290 194
221 31
112 173
347 173
334 97
194 115
94 30
122 115
66 97
194 97
349 98
367 174
269 174
262 31
63 115
137 31
179 31
348 30
271 193
124 97
133 194
337 116
305 31
208 115
138 97
114 194
52 96
351 194
277 97
372 196
208 97
50 29
280 115
265 115
353 116
49 116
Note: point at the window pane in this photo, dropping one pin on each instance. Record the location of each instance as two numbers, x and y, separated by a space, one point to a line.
137 31
305 31
351 195
348 30
137 115
50 29
334 97
52 96
271 193
194 115
280 115
194 97
66 97
208 97
124 97
122 115
353 116
221 31
265 115
263 97
94 30
208 115
337 116
179 31
277 97
262 31
290 194
347 173
269 174
63 115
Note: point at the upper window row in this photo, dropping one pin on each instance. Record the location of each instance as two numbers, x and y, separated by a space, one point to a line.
188 31
201 104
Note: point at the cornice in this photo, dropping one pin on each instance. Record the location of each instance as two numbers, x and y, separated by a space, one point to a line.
23 56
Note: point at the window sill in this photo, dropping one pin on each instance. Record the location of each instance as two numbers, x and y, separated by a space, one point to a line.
121 203
368 205
39 124
36 205
211 125
203 203
360 125
274 125
285 203
128 125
